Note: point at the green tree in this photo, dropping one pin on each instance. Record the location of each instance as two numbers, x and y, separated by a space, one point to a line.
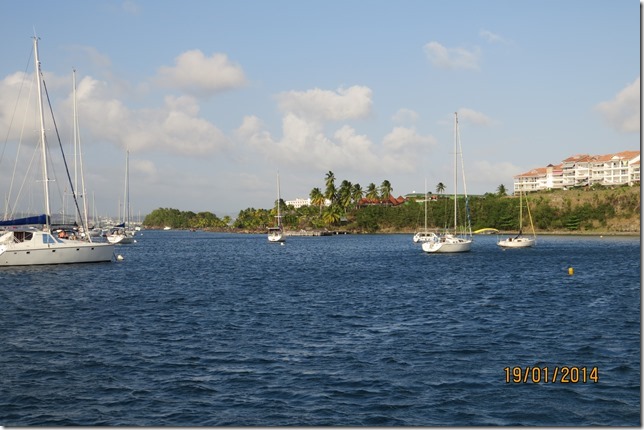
332 215
344 195
330 186
385 190
501 191
317 198
440 188
372 192
356 194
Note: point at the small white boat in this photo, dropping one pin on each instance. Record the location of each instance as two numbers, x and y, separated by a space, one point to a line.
520 241
447 243
276 234
119 235
423 236
123 234
452 242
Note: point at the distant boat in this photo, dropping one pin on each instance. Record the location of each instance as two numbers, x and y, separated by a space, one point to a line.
122 234
424 235
453 242
167 228
520 241
29 241
276 233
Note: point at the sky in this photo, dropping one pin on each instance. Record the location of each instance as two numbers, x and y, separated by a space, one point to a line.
213 97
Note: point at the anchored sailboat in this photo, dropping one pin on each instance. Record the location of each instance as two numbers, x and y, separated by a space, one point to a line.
276 233
122 233
424 235
29 241
453 242
520 241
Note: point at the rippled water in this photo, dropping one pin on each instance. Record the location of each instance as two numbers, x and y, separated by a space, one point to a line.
205 329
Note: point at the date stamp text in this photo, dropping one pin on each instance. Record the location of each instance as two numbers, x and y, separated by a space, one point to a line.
551 375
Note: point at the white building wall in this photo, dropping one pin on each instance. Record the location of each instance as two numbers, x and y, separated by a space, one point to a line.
298 203
613 172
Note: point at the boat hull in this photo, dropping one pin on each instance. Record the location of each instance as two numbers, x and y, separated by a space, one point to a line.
447 246
521 242
120 239
276 238
69 252
423 237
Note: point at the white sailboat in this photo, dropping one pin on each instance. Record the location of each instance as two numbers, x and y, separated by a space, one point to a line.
29 241
453 242
122 234
276 234
424 235
520 241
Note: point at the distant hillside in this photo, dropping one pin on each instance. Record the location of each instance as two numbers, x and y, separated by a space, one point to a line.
611 210
598 210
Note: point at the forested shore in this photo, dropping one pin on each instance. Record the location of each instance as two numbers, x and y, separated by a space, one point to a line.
596 210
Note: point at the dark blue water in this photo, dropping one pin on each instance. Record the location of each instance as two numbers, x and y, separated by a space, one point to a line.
205 329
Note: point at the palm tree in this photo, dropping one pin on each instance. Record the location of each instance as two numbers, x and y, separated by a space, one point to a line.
344 194
501 191
372 192
330 186
440 188
317 198
356 194
332 215
385 190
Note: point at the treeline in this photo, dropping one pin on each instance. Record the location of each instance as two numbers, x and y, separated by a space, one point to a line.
585 210
175 218
596 209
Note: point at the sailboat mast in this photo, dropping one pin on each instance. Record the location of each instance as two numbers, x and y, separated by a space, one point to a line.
78 164
455 169
126 198
520 211
425 205
75 122
45 175
279 217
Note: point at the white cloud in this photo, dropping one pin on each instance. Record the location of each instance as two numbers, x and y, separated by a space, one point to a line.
12 108
405 116
489 175
452 58
623 112
174 127
491 37
323 105
403 148
146 167
307 141
202 76
474 117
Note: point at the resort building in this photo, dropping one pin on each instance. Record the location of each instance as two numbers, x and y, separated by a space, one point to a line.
583 170
298 203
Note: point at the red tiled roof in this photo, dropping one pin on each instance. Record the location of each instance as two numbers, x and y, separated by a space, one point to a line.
541 171
582 158
391 200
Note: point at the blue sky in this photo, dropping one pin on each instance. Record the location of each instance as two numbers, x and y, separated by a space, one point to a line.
213 97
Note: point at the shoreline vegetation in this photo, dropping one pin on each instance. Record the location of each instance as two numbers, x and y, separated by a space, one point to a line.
598 210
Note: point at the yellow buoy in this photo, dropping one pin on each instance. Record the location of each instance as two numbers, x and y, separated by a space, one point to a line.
571 271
